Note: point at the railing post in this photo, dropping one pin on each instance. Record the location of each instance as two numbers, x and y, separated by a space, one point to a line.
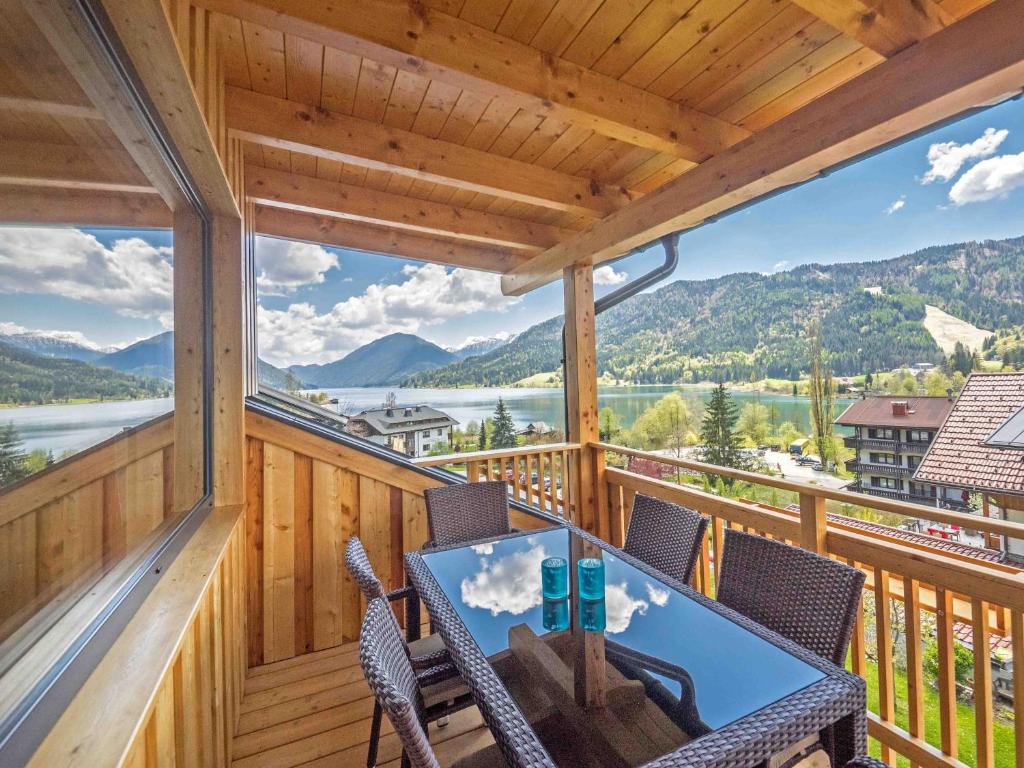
813 523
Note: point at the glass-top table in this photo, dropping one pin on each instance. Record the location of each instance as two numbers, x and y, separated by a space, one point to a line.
671 670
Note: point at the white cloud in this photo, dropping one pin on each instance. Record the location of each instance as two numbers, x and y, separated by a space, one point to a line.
620 607
509 584
131 277
282 267
608 276
499 336
429 294
946 158
657 595
895 205
989 179
778 266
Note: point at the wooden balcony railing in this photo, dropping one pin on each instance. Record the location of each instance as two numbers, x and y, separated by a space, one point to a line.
916 595
538 475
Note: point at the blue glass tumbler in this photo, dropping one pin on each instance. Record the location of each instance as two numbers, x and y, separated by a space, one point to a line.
556 614
591 577
592 615
554 577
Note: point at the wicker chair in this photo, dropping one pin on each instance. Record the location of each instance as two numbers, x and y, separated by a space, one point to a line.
808 598
665 536
442 686
398 692
866 762
467 512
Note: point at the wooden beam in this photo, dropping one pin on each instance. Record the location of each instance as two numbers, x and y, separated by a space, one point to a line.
884 26
304 128
293 191
328 230
39 205
145 33
413 37
62 24
974 62
52 108
32 163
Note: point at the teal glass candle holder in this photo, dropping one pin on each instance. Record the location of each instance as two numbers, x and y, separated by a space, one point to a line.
556 614
591 578
554 577
593 617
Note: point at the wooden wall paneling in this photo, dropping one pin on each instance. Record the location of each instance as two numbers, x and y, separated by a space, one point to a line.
254 550
329 508
278 553
143 498
303 554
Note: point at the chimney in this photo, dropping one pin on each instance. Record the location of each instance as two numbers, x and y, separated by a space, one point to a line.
419 408
899 407
389 412
408 411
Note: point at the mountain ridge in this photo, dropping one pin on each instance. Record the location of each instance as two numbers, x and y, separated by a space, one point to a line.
386 361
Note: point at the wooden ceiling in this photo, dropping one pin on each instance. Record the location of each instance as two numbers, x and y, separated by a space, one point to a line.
498 134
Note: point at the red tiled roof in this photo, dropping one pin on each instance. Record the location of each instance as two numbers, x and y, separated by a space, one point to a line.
958 454
922 412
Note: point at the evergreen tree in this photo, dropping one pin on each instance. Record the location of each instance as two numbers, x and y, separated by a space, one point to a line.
962 359
481 440
822 397
13 459
720 444
504 435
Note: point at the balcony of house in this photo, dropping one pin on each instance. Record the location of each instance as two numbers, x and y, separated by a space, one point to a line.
877 468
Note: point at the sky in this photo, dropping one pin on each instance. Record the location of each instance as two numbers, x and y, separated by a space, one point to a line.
103 288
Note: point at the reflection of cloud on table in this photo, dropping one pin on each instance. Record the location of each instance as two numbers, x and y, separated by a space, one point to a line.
657 595
483 549
620 607
509 584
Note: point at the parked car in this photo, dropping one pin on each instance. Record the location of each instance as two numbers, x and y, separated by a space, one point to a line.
804 461
819 467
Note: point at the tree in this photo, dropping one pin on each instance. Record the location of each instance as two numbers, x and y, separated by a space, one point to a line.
607 425
754 423
721 446
962 360
504 435
13 460
668 423
936 383
963 662
822 391
291 383
481 440
869 380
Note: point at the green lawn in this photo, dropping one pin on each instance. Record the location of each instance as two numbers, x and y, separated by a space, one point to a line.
1003 731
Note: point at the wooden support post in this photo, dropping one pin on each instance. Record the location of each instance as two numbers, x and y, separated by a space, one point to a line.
984 714
590 678
581 396
947 673
813 523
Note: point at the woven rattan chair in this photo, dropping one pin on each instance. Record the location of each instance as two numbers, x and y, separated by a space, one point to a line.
467 512
866 762
808 598
442 686
398 691
665 536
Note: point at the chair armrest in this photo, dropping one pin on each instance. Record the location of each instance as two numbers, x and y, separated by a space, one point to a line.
425 662
436 674
412 609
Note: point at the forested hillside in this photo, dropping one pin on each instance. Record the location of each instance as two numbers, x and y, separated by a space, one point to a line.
29 379
751 325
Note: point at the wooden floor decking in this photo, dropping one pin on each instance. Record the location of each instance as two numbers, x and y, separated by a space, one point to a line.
314 710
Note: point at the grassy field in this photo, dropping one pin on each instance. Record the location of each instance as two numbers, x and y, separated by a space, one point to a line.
1003 730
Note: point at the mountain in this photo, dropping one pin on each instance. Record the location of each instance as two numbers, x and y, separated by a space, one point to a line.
480 346
27 378
274 377
150 357
386 361
753 325
47 345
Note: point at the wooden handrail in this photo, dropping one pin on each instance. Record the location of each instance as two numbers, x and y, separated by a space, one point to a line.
501 453
975 522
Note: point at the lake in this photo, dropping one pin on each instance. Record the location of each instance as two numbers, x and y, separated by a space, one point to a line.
60 428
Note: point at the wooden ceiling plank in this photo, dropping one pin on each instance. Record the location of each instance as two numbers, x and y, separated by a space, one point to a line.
885 26
407 96
563 146
438 103
53 165
464 117
438 46
374 90
328 230
304 66
304 128
562 25
289 190
32 106
236 66
601 31
82 208
484 13
973 62
265 50
649 27
341 75
523 18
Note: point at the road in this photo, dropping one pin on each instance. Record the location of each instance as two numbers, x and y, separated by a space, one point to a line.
779 460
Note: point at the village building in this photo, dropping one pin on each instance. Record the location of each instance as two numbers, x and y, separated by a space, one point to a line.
414 430
891 437
536 429
980 448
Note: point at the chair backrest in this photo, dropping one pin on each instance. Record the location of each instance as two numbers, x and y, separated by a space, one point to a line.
467 511
390 676
358 564
665 536
803 596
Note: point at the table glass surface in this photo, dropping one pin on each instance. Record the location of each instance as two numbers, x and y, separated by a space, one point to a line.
714 671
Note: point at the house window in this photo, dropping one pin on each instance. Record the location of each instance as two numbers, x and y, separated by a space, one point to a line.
923 490
889 483
426 433
914 461
919 436
440 432
882 433
883 458
426 446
